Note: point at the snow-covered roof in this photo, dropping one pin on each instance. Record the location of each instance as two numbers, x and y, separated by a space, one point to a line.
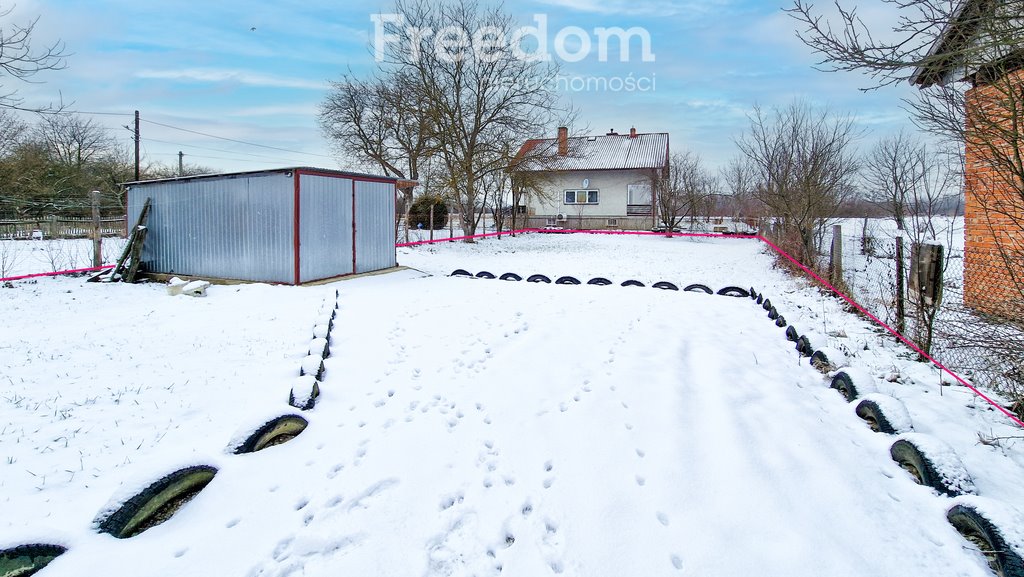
607 152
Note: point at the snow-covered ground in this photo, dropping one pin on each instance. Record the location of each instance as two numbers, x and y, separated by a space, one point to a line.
483 427
22 257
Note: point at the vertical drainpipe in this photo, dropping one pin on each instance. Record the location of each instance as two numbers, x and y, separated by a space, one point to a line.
354 226
295 227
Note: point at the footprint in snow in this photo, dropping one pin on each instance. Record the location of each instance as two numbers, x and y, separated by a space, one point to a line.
663 518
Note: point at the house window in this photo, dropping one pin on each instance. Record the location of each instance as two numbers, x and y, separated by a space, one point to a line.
639 193
613 222
550 222
582 197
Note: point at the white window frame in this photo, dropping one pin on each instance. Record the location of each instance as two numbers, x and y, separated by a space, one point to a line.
576 196
636 189
550 221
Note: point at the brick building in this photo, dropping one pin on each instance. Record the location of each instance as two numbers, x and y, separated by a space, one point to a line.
992 61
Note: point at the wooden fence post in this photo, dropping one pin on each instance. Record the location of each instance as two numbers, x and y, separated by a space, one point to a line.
901 313
97 233
835 260
431 222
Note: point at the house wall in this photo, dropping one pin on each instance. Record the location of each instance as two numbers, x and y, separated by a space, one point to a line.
612 185
994 207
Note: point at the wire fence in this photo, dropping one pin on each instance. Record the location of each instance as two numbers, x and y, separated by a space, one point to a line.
977 330
60 227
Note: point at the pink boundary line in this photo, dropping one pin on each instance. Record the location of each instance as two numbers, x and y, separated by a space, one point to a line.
58 273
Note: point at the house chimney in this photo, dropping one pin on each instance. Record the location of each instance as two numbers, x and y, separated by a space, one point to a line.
632 132
563 141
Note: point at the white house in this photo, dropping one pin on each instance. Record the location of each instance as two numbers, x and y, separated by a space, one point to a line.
595 182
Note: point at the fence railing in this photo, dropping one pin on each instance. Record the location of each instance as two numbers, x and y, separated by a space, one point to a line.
54 227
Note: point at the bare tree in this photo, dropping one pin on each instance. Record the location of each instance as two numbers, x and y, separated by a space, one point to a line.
19 60
382 122
11 132
739 181
683 188
804 168
891 171
480 93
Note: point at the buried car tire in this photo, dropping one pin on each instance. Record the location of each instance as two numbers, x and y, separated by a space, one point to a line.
538 278
978 530
734 291
28 559
699 288
274 432
510 276
599 281
665 285
157 502
950 479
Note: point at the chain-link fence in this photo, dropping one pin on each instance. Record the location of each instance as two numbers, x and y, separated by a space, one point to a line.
977 329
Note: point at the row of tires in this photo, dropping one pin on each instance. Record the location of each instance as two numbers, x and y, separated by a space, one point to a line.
601 281
916 453
161 499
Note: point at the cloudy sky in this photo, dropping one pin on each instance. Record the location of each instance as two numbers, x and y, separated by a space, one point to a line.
254 72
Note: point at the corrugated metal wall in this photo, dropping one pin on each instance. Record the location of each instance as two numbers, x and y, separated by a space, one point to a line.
232 227
375 225
325 215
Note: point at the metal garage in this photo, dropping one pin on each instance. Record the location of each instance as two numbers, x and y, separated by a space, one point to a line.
287 225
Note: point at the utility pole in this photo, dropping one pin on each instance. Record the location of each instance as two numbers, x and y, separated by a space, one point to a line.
136 145
181 163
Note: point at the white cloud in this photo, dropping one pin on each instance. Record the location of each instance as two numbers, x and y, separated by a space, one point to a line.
217 75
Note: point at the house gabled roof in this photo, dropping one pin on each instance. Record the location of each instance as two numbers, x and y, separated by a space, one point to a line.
608 152
949 59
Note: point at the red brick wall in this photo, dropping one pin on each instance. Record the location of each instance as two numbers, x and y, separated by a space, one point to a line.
994 204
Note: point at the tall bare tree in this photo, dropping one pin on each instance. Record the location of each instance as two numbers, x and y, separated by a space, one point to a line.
683 188
804 167
20 60
482 94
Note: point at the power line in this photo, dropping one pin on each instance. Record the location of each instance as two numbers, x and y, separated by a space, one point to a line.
213 150
236 141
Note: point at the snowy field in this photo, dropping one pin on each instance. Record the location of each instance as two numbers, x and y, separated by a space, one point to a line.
21 257
483 427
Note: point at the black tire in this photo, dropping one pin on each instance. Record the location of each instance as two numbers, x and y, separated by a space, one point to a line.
460 272
792 334
773 314
599 281
699 288
632 282
753 293
874 417
484 274
767 304
26 560
276 431
979 531
567 280
307 398
665 285
760 298
734 291
780 322
845 385
157 502
538 278
821 362
920 467
803 345
318 374
511 276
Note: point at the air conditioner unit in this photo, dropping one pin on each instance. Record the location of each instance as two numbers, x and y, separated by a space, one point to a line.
561 217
